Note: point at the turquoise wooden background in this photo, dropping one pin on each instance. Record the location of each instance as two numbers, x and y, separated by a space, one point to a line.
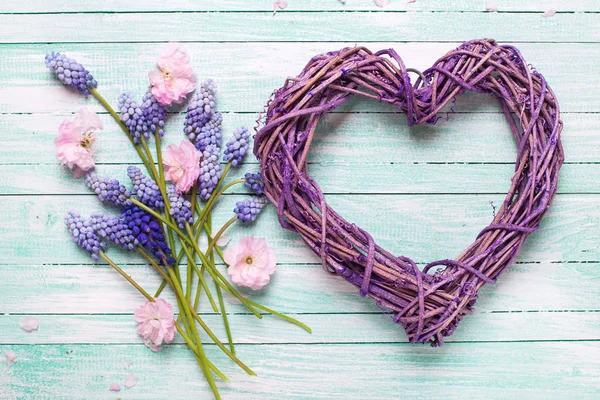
424 192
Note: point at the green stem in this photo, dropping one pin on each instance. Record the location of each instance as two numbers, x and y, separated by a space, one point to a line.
192 347
160 288
213 242
211 257
124 275
202 358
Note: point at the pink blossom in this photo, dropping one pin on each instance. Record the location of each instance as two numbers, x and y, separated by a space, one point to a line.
73 144
182 165
174 79
251 262
155 322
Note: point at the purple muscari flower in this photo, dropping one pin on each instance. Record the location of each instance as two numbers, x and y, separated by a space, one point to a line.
108 189
200 110
154 114
247 210
113 229
133 117
180 208
147 233
210 171
255 182
237 147
84 235
145 188
209 134
70 72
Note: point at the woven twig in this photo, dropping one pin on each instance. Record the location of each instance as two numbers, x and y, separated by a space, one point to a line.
428 304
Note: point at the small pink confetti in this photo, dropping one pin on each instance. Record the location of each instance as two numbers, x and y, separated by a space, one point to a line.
29 324
491 7
381 3
10 357
549 12
115 388
131 380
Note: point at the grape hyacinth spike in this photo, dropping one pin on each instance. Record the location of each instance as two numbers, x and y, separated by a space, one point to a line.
70 72
83 234
108 189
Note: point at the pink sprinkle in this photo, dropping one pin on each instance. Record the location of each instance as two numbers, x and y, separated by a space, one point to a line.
381 3
115 388
131 380
29 324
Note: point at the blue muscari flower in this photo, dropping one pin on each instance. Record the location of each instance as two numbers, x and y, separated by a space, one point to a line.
108 189
209 134
133 117
201 109
210 171
145 189
154 114
84 235
180 208
70 72
113 229
237 146
255 182
147 233
248 209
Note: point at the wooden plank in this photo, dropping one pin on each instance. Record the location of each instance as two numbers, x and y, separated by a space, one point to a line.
468 370
333 178
298 288
247 73
424 227
340 139
56 6
327 328
298 26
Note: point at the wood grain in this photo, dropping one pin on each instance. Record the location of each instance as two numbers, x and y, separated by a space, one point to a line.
299 26
254 70
424 192
459 370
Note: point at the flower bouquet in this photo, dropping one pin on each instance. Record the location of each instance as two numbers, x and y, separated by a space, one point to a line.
168 207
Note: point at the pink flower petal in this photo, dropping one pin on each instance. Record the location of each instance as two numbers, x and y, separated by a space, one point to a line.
223 240
10 357
549 12
115 388
381 3
126 364
281 4
131 380
491 7
29 324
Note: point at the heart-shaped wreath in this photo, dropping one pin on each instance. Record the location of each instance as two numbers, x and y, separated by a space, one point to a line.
428 305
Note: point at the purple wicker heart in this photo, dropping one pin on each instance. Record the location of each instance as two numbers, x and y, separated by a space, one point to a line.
428 305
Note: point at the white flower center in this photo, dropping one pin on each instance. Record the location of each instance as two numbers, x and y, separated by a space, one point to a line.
167 75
